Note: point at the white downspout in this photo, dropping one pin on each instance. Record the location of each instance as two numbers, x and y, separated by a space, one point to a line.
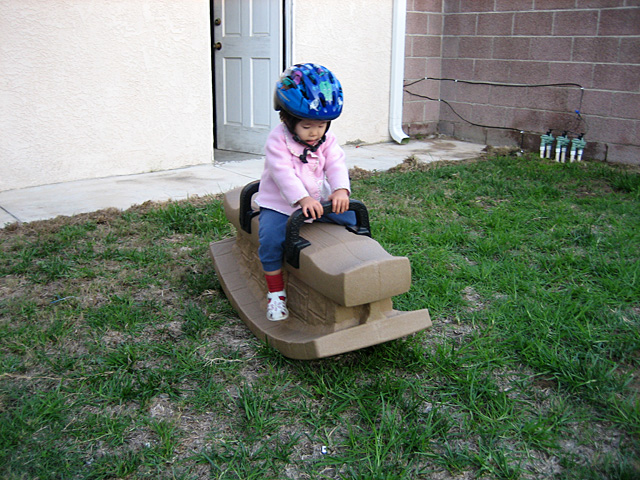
288 34
398 28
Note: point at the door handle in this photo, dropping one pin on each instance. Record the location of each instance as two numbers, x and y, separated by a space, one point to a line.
217 46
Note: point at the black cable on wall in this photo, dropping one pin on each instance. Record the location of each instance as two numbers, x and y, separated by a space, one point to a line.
574 129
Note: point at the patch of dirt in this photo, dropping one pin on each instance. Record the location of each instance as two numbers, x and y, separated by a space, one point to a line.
357 173
107 216
506 151
40 227
473 299
414 164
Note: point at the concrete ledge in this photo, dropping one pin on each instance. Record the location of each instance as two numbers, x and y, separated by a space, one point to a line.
234 170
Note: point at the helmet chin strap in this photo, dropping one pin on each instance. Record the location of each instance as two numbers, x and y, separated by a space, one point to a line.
308 148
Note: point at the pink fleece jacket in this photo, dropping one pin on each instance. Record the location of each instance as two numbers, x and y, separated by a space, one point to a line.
286 180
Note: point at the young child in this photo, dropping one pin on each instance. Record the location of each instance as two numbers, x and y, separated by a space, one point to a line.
304 166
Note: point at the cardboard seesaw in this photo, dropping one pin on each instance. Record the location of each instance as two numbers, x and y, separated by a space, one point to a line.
339 283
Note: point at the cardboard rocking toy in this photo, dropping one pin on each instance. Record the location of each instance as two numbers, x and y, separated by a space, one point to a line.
339 283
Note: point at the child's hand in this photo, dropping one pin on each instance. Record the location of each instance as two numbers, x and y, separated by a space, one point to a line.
311 208
339 200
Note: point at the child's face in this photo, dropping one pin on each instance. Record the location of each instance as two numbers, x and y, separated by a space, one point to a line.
310 131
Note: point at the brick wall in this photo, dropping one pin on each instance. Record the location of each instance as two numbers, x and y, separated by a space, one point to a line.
593 43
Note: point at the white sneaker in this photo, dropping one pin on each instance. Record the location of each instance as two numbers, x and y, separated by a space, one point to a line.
277 306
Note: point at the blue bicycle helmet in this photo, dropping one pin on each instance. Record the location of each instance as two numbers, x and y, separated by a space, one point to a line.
310 91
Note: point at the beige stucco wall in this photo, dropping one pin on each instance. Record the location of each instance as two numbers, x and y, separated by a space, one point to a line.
100 88
353 39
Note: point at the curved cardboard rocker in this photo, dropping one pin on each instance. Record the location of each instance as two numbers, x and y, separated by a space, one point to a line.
339 283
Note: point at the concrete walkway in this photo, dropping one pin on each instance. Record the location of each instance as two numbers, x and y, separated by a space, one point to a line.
230 170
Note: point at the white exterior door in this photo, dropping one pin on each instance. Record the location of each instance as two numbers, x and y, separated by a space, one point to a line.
247 48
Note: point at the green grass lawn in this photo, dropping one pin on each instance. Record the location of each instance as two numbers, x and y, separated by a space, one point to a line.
121 358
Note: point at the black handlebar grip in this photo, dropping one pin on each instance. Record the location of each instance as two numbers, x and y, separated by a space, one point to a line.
246 212
294 243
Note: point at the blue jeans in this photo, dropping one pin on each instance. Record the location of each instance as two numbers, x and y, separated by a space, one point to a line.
273 230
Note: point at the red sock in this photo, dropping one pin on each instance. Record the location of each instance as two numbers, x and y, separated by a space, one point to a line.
275 283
